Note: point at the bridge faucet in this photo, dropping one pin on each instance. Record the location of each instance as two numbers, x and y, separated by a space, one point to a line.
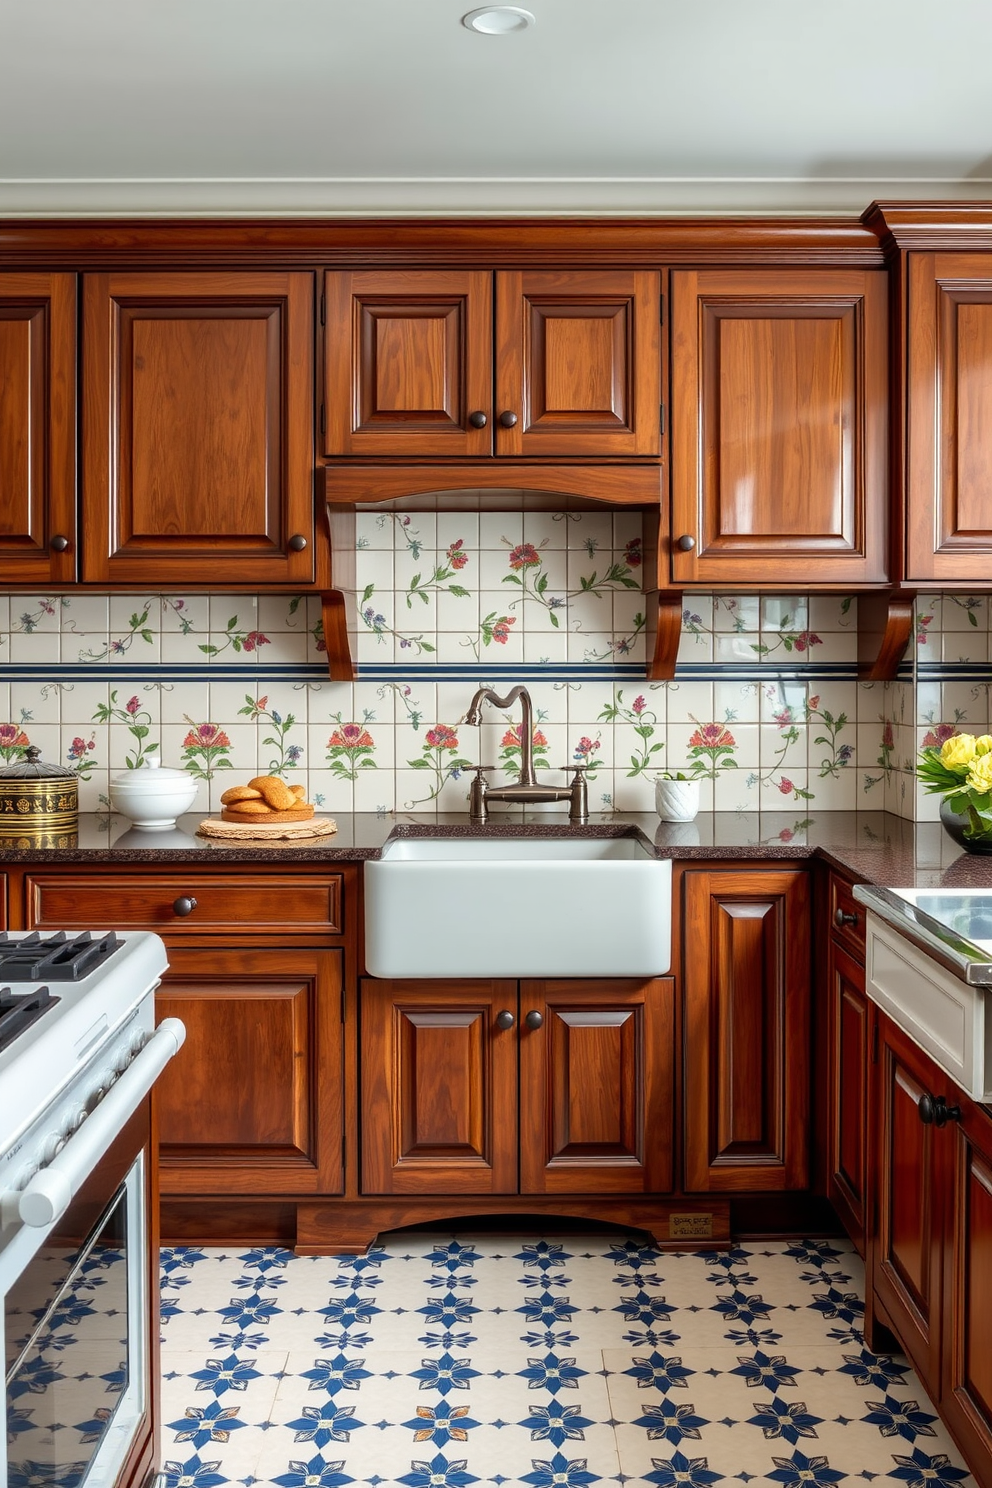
526 790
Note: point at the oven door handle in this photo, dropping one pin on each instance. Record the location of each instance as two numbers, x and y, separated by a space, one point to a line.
50 1192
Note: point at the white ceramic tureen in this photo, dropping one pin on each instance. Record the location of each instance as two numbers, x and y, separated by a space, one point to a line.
152 796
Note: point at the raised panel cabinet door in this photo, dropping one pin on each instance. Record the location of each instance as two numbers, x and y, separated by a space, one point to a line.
596 1079
747 1030
779 426
439 1087
197 454
252 1103
949 405
408 363
848 1092
578 364
966 1388
37 428
911 1162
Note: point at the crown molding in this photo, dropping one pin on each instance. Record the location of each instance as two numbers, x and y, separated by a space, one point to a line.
449 196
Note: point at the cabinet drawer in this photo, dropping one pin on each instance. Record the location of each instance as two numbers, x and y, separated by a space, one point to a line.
254 904
841 905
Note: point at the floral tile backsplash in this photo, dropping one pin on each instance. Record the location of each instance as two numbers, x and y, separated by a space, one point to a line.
765 708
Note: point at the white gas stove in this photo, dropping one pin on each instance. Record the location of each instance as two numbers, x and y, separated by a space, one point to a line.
79 1053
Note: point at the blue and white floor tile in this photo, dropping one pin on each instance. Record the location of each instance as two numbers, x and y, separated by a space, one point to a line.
441 1361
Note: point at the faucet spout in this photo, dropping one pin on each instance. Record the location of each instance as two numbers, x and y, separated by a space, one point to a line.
516 694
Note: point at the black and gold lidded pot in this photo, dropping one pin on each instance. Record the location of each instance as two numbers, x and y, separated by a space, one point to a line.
39 803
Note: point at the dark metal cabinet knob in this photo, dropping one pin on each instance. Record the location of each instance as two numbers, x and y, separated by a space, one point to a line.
297 542
508 419
934 1111
478 420
505 1019
844 917
59 543
686 542
184 905
534 1019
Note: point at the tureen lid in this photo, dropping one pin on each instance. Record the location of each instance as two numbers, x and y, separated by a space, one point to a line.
153 773
33 767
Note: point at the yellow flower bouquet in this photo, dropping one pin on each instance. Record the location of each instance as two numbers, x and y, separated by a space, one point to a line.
961 771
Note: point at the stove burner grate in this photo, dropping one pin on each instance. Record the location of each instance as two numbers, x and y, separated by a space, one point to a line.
56 957
19 1010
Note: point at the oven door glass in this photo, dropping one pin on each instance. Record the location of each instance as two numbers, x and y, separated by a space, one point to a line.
75 1349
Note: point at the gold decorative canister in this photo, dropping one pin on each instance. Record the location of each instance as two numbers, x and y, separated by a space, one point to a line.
39 803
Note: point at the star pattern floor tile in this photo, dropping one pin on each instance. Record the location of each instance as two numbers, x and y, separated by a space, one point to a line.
441 1361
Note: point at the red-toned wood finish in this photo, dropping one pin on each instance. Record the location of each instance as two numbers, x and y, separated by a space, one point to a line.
596 1086
407 359
250 903
439 1087
747 1020
578 364
966 1390
910 1181
412 370
847 1138
949 402
779 427
37 428
244 1107
197 452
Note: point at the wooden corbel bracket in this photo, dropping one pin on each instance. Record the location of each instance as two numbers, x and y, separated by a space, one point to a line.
885 624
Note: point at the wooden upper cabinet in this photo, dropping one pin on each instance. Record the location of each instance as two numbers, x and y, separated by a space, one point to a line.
779 426
578 364
37 428
747 1047
413 366
408 363
197 456
949 410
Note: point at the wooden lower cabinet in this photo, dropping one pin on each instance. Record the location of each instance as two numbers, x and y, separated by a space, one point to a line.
909 1180
573 1096
966 1392
849 1022
747 1030
252 1104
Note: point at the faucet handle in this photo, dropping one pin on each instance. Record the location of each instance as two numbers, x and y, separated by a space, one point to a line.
577 768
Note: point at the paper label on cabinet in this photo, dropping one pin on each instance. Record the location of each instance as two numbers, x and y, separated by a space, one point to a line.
690 1226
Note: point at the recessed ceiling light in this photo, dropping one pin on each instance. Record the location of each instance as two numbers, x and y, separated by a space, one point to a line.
498 20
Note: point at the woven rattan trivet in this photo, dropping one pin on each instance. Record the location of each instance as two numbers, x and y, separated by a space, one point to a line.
317 826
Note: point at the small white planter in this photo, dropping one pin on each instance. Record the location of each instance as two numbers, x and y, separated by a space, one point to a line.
676 800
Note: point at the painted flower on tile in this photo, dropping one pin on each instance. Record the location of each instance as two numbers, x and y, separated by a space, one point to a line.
935 738
645 723
316 1473
349 749
496 627
287 756
800 1471
569 1472
456 555
205 749
920 1470
711 746
137 629
237 639
586 752
13 742
525 555
80 758
438 1473
192 1474
632 555
671 1422
682 1472
440 758
137 720
509 750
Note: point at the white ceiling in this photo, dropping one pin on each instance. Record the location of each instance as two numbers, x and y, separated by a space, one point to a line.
391 106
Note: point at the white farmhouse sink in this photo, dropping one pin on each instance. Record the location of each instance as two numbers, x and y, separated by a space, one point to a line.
517 907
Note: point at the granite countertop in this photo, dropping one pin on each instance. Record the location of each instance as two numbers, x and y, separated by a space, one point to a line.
873 846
